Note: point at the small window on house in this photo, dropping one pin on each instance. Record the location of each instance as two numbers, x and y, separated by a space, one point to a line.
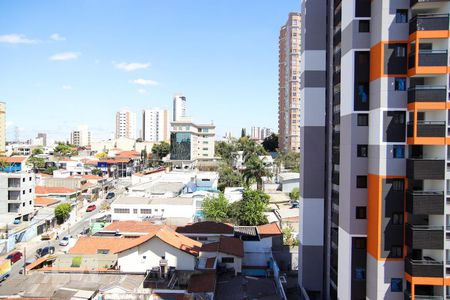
363 119
399 151
362 150
396 285
400 84
361 212
227 260
364 26
401 16
361 182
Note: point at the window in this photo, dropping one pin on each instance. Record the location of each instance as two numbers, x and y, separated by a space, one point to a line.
363 119
360 243
135 211
23 179
361 182
396 252
362 150
364 26
23 192
121 210
396 285
360 274
227 260
399 151
146 211
30 178
102 251
400 51
400 84
30 190
397 185
401 16
361 212
202 238
397 219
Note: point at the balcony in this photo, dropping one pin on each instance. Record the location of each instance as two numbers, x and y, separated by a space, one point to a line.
337 38
422 297
420 169
424 268
429 58
427 129
424 237
336 77
414 2
335 177
425 202
427 93
428 22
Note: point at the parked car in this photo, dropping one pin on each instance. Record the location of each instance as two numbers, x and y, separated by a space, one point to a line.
44 251
65 241
14 256
91 207
110 195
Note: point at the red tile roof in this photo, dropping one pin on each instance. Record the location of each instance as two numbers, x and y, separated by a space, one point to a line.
133 227
206 227
87 185
116 160
128 154
269 230
202 283
87 177
90 245
14 159
228 245
44 190
42 201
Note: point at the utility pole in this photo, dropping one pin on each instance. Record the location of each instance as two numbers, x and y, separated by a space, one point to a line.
24 261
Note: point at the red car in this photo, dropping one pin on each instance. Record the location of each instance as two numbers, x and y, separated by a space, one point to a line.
91 208
14 256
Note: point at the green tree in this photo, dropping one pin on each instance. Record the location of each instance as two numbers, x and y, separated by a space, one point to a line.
62 212
37 151
249 148
65 150
216 208
3 164
50 170
290 161
228 177
161 150
289 239
270 143
97 172
255 170
250 210
226 151
36 162
294 194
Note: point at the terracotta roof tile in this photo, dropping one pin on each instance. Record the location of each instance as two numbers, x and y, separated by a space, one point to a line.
207 227
87 185
228 245
202 283
128 154
87 177
43 201
269 230
45 190
14 159
133 227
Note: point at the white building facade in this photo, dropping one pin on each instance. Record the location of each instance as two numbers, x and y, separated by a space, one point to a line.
126 124
155 125
81 137
179 107
17 195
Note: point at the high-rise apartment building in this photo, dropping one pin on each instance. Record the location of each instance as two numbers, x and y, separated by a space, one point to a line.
42 139
289 85
260 133
155 125
2 128
126 124
17 196
179 107
81 137
374 141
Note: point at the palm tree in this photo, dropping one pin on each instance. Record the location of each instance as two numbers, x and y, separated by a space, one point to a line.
255 169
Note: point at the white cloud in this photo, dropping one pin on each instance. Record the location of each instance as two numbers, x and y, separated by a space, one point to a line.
16 39
130 66
66 87
65 56
141 81
142 91
57 37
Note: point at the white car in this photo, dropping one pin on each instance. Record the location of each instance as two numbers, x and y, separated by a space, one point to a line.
65 241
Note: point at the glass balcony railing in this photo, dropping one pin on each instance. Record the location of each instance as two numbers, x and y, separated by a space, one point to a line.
429 22
427 93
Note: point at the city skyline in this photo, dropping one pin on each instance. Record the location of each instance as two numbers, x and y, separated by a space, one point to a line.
76 64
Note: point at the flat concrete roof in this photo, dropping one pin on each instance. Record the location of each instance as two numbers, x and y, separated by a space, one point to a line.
153 201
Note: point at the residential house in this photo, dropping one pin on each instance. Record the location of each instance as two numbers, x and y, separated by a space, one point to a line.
228 251
207 231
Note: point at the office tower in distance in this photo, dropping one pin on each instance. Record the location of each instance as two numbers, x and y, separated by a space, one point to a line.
179 107
380 121
2 128
42 139
289 84
155 125
81 137
126 124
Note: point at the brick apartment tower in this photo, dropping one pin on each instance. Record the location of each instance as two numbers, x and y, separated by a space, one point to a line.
375 150
289 84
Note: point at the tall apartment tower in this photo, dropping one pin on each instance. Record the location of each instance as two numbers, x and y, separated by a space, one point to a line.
43 138
125 124
179 107
289 84
2 128
81 137
155 125
375 149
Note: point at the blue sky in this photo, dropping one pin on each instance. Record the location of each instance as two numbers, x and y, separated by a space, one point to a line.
68 63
